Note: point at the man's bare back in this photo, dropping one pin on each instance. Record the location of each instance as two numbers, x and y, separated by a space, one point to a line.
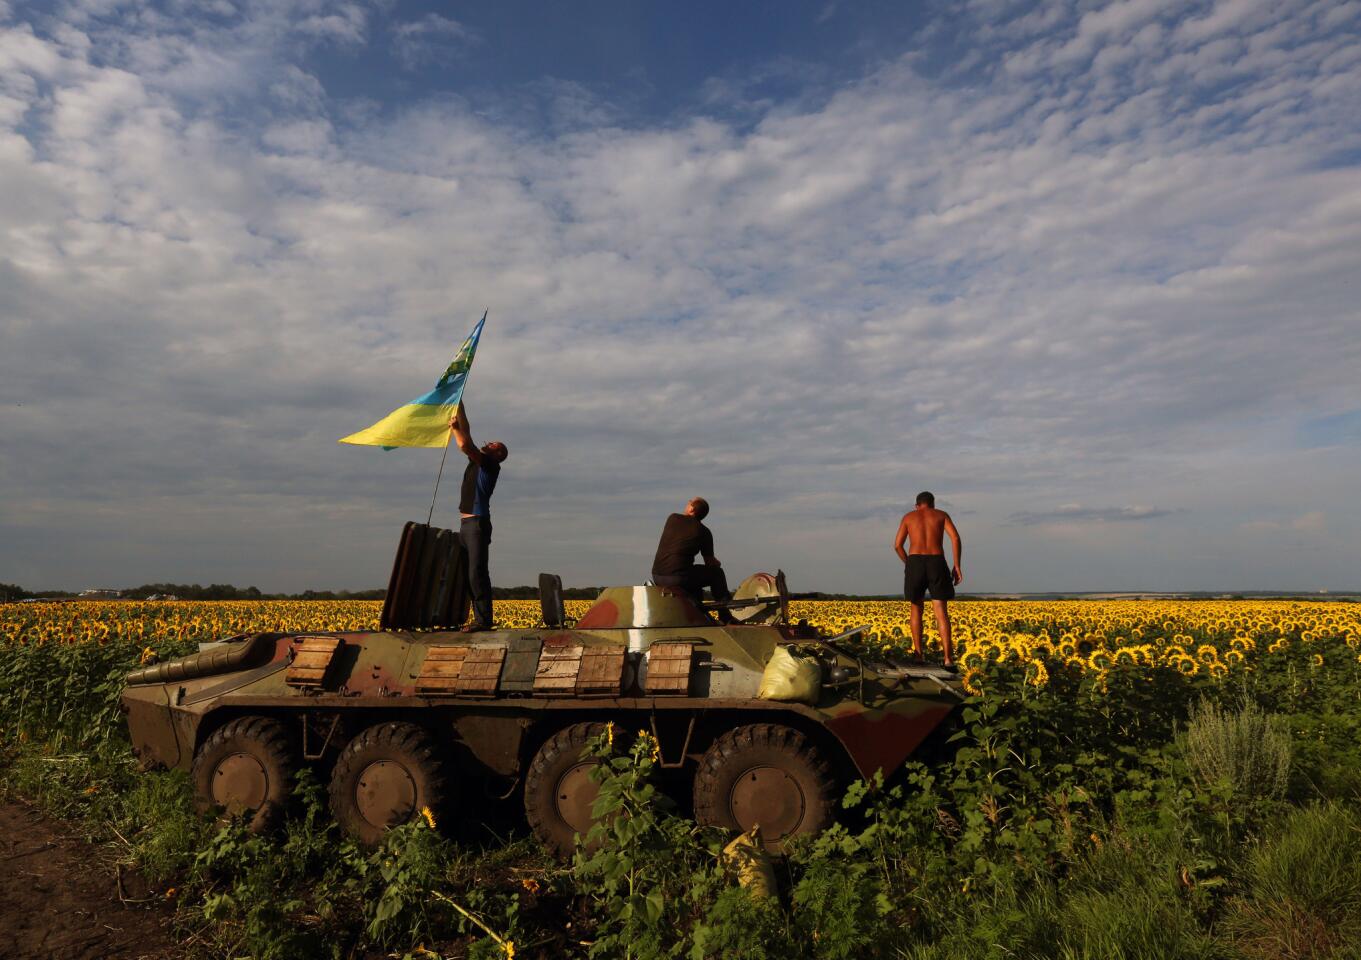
923 531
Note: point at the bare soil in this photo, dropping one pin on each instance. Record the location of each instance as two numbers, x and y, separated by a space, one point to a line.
61 897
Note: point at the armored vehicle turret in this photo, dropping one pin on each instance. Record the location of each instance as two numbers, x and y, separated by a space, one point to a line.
418 715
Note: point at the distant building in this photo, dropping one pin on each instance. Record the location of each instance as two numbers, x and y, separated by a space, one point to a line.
100 593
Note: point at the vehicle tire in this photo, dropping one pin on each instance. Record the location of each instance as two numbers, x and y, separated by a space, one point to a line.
764 774
246 767
558 789
383 778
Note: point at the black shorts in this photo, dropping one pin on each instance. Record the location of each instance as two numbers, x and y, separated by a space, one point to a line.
924 571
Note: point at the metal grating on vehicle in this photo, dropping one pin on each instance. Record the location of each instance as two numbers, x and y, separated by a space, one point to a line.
602 672
310 662
481 671
668 668
441 669
558 668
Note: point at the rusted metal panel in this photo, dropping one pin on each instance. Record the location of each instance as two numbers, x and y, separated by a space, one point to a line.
558 667
884 739
404 567
313 657
481 671
433 580
494 740
668 668
150 728
395 578
440 670
522 662
601 673
428 586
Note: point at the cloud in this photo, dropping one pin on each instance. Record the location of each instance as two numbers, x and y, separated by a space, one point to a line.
1314 521
418 41
345 26
1076 513
1070 279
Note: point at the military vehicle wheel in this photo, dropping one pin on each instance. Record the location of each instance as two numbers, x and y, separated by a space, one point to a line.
246 767
768 775
558 789
383 778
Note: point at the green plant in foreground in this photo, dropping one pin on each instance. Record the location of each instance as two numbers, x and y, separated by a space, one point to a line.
1303 888
644 868
1245 751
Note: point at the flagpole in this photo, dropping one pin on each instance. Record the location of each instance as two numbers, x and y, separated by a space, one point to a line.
468 376
431 515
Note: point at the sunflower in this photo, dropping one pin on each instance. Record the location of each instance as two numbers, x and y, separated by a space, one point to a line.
973 682
1187 666
1035 673
1316 661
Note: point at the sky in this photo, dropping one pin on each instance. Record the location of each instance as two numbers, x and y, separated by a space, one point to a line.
1087 271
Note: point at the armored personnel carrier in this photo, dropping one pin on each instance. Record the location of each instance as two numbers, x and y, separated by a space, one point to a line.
418 715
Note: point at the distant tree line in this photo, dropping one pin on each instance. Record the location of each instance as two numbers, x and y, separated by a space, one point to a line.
10 593
227 591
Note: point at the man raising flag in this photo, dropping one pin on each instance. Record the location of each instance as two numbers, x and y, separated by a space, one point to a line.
474 506
433 420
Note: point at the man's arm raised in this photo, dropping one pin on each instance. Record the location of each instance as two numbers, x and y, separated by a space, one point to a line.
958 571
463 436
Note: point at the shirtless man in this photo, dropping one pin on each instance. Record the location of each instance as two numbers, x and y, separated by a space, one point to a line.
924 566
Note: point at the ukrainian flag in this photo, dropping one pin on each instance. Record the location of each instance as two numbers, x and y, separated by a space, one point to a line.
424 422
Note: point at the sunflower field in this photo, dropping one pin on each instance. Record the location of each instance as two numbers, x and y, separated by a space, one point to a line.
1127 778
1212 641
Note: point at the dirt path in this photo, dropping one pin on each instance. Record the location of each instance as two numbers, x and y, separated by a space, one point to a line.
59 898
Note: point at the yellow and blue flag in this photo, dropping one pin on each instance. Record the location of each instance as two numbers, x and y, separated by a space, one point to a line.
424 422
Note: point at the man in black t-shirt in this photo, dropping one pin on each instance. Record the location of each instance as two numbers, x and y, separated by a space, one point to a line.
684 536
474 506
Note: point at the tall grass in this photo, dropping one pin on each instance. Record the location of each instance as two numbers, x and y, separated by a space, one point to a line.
1303 888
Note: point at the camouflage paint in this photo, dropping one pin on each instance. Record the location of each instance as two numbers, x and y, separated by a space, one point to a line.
879 718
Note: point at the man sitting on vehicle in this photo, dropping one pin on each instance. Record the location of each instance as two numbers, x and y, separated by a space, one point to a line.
684 536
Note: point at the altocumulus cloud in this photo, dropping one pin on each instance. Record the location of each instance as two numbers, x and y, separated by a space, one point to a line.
1108 255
